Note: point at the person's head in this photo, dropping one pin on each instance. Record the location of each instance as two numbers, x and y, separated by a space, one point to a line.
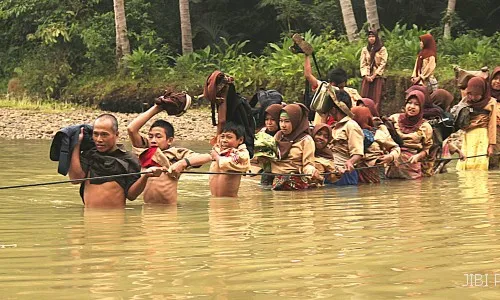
105 133
442 98
414 103
372 37
340 112
495 84
476 89
232 135
367 102
427 41
161 134
337 77
322 134
363 117
424 90
272 117
293 119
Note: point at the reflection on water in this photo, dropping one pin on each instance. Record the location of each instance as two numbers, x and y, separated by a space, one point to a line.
399 239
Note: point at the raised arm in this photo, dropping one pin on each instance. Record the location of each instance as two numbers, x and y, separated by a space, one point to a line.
134 126
75 168
308 72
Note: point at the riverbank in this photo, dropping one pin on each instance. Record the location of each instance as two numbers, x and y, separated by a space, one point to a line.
195 125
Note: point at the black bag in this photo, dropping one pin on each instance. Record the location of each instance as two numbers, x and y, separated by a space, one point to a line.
239 112
442 127
261 101
461 115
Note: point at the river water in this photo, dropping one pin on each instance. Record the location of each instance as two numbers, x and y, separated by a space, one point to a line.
437 238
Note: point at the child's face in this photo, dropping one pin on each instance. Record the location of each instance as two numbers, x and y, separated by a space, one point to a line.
321 138
229 140
285 125
495 82
271 124
158 138
412 107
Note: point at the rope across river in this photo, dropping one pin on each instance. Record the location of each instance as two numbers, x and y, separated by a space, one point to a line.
209 173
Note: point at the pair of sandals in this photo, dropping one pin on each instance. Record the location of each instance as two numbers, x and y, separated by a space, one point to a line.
300 45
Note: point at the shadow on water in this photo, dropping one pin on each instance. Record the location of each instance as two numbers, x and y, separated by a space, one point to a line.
399 239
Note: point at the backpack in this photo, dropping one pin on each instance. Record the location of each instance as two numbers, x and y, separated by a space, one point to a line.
461 115
240 112
264 98
442 127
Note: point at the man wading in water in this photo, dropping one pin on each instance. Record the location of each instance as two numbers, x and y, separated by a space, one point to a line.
107 158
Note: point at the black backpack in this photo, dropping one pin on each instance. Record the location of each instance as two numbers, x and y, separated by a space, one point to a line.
264 98
239 112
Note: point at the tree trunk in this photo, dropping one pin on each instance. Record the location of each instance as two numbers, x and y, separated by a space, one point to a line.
187 38
372 14
349 19
122 42
447 19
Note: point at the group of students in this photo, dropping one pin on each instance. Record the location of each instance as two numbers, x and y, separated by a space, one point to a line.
349 144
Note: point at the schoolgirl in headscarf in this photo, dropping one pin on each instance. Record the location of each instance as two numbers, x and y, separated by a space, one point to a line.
495 93
416 134
372 66
323 156
379 146
423 72
481 135
295 150
265 144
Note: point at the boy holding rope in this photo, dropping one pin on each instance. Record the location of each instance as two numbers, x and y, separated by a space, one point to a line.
156 149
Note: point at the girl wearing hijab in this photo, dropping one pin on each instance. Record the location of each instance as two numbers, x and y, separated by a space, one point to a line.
323 156
481 135
423 72
379 146
372 66
416 134
295 150
495 93
272 119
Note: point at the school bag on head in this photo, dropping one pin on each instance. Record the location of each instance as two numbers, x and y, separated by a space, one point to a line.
261 101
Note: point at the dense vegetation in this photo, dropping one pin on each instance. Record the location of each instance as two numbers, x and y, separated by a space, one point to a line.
65 49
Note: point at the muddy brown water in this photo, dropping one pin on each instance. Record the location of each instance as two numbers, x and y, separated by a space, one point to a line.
436 238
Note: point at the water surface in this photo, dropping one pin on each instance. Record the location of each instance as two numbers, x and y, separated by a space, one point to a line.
397 240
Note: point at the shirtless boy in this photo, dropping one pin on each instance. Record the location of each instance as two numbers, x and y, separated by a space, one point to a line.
229 155
156 150
107 159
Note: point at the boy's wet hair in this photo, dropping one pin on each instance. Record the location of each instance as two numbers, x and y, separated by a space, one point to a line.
337 76
342 96
237 129
169 128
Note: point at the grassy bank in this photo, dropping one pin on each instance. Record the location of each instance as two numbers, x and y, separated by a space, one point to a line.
35 104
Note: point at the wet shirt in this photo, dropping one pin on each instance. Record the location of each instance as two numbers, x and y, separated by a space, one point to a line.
120 161
419 140
232 159
383 143
300 159
347 140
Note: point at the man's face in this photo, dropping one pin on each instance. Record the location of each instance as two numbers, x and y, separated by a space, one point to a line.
229 140
104 136
157 137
